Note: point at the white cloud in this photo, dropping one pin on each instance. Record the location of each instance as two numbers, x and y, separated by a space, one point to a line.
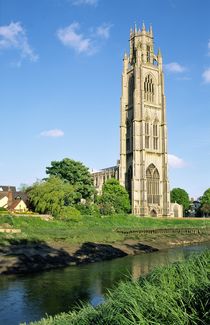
13 36
176 162
206 75
70 37
103 31
55 133
84 2
174 67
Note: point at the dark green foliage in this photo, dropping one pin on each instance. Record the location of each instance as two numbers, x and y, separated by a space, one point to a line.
2 209
51 196
88 209
180 196
75 173
114 198
205 202
68 211
173 295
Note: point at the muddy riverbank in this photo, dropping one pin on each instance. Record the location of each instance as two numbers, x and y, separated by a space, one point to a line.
22 257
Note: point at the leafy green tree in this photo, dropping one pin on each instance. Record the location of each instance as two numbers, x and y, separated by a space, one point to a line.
180 196
51 196
114 198
205 202
75 173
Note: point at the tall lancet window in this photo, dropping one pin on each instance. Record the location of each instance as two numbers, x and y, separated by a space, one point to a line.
128 136
130 90
147 134
153 185
149 89
155 136
148 53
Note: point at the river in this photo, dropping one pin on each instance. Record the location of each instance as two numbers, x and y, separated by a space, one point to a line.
31 297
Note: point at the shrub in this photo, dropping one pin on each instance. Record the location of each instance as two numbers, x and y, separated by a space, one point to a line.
106 208
70 213
88 209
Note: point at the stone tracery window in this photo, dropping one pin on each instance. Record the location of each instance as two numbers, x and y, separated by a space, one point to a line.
148 53
147 134
155 136
128 136
149 89
153 185
130 90
129 180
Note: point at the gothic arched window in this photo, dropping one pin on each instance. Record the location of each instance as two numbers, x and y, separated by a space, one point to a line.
130 90
128 136
155 136
149 89
153 185
148 53
147 134
129 181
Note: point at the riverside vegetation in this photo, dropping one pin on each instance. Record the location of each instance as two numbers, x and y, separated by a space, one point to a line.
177 295
83 228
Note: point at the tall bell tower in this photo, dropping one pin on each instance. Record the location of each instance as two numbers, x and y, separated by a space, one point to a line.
143 166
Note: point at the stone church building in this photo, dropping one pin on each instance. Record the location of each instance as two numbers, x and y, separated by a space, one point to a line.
143 165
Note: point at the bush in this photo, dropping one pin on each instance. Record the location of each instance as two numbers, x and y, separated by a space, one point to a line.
88 209
2 209
70 213
106 208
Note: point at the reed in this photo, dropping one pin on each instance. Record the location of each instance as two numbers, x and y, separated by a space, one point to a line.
177 294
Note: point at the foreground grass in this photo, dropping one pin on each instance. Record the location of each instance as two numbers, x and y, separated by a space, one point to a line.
89 228
178 294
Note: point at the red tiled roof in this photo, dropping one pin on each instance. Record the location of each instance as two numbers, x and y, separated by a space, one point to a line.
14 204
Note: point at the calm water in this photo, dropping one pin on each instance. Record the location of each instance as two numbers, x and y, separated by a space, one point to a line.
31 297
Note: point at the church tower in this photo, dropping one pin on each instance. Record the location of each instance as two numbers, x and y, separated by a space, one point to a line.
143 166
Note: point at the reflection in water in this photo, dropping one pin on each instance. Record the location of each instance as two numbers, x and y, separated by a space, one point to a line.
31 297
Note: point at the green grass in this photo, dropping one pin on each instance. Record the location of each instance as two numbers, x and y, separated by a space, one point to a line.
89 228
174 295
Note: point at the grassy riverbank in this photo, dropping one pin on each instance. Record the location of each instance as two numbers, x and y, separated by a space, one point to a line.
89 228
175 295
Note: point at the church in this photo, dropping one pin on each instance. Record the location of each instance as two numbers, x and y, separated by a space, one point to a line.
143 165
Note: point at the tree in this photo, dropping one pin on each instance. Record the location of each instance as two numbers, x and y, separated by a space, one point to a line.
205 202
180 196
75 173
51 196
114 198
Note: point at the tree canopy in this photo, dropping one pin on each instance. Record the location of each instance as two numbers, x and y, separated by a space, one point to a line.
75 173
205 202
51 196
114 198
180 196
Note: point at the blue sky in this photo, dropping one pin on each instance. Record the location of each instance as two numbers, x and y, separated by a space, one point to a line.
61 64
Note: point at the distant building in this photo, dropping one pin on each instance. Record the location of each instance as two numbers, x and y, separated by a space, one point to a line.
143 165
101 177
13 200
194 208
